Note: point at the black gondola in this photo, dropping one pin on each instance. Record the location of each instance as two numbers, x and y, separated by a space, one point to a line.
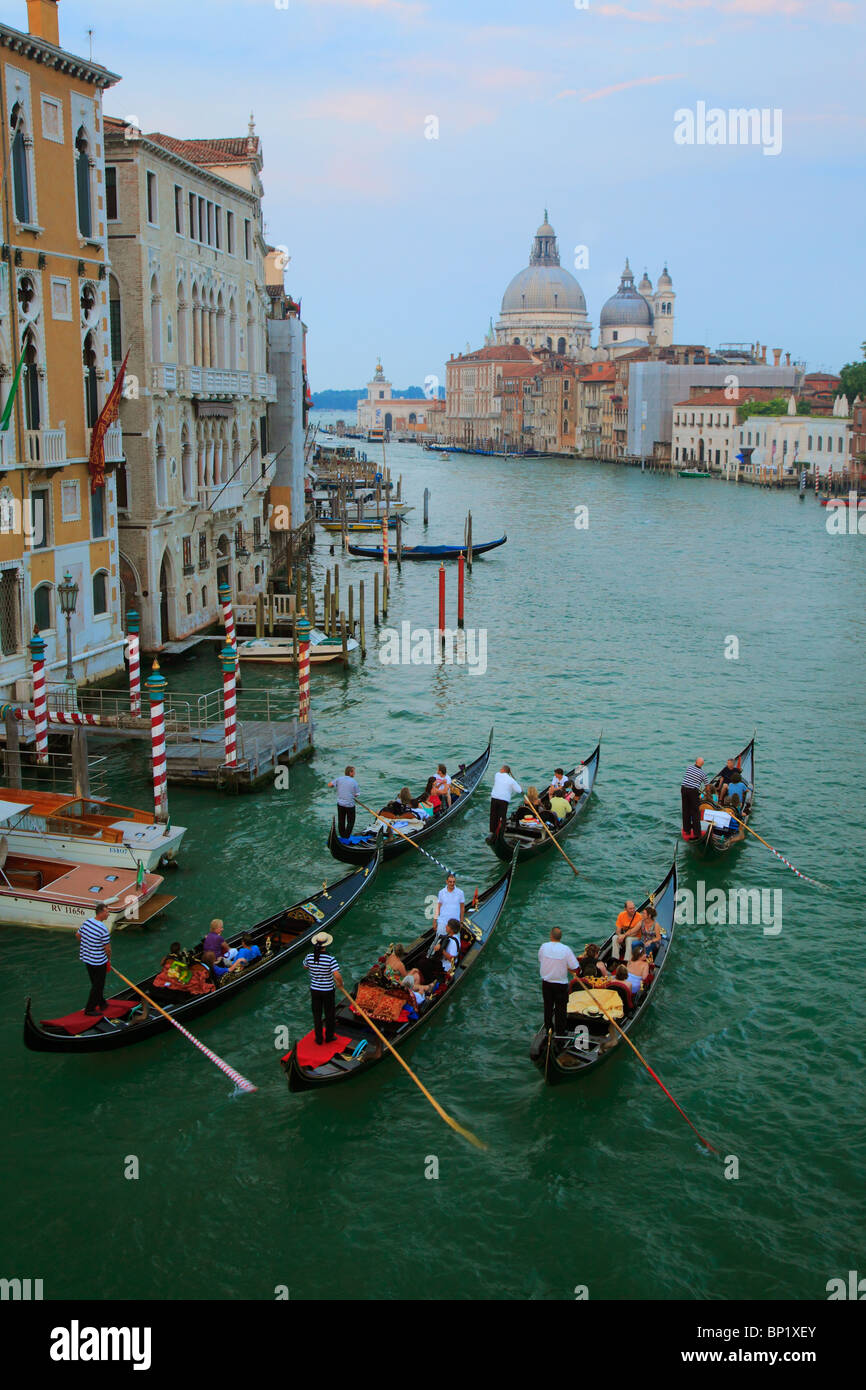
360 846
591 1037
289 930
427 552
529 843
350 1025
714 841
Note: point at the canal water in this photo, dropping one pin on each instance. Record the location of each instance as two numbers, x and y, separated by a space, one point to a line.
678 616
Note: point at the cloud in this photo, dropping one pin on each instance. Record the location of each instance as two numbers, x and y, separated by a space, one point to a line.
634 82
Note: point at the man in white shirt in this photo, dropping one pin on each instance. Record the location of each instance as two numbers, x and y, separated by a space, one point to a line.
504 788
555 959
450 903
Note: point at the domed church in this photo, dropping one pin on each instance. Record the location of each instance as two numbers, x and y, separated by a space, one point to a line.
631 315
544 306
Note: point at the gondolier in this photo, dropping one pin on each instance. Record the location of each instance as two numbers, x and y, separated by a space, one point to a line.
324 975
504 788
555 959
694 779
95 953
348 792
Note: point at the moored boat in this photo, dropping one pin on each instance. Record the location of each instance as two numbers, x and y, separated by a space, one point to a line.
356 1048
280 651
85 830
354 849
372 526
693 473
53 894
718 838
527 836
427 552
289 931
591 1037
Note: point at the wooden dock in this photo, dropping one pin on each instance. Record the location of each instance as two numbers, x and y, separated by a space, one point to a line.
262 747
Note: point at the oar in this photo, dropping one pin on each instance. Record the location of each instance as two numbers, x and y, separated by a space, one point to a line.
549 832
240 1081
625 1035
407 838
467 1133
805 877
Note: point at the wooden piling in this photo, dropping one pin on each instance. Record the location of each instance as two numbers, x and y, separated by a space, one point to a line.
362 636
80 770
460 587
343 639
260 615
375 598
295 644
13 752
326 601
426 506
336 588
351 611
399 529
469 542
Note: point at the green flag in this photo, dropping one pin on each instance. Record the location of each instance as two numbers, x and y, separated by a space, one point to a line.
6 417
140 876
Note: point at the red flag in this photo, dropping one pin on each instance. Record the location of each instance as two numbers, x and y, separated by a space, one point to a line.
107 416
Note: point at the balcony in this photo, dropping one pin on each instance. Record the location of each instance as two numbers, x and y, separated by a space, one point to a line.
7 451
223 498
114 444
45 448
221 382
164 378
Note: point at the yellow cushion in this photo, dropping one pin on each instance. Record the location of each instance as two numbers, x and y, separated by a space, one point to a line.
609 1002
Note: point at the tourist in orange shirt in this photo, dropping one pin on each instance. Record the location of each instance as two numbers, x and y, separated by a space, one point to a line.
628 927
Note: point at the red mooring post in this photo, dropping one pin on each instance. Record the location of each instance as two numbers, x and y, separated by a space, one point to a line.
442 601
461 567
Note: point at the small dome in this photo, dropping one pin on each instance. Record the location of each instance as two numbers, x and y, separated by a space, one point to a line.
665 282
626 307
645 286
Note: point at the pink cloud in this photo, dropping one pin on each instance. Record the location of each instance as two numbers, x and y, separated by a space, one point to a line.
625 86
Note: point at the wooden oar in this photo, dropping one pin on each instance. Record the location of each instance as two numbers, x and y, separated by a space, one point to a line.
240 1081
785 861
407 838
549 832
467 1133
625 1035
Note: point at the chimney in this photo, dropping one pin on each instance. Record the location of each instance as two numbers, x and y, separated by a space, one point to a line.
42 21
787 359
764 354
777 356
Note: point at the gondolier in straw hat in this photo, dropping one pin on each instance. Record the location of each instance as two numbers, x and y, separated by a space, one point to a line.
693 780
324 975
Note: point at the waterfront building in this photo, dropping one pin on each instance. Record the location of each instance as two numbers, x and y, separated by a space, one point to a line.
705 431
54 323
543 305
635 316
858 439
775 445
188 301
382 410
287 415
820 389
596 383
474 396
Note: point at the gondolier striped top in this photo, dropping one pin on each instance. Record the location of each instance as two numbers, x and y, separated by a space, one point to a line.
321 970
695 776
94 936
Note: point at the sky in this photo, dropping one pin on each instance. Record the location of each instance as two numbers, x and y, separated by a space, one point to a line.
402 244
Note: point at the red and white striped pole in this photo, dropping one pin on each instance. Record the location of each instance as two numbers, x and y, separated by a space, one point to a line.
134 664
40 696
385 558
303 669
229 659
155 687
225 598
461 580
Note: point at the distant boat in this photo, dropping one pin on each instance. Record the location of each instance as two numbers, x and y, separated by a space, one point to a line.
693 473
372 525
280 651
85 830
426 552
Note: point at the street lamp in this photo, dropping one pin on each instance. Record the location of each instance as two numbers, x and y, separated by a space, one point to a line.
68 594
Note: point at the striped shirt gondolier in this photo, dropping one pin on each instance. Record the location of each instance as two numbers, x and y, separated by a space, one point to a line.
321 971
695 776
95 936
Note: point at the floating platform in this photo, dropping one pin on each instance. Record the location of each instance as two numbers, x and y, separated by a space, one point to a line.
262 747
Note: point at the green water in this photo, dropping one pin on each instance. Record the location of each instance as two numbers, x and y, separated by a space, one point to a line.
621 625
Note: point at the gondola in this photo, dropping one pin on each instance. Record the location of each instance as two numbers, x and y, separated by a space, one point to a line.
357 1035
560 1059
714 842
358 847
427 552
289 932
528 842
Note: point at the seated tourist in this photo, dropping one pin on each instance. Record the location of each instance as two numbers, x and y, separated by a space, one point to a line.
650 933
729 773
214 943
558 781
590 964
559 806
429 797
638 969
244 955
536 810
627 927
442 784
621 980
408 805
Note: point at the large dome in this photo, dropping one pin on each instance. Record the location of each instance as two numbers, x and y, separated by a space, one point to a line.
626 307
545 288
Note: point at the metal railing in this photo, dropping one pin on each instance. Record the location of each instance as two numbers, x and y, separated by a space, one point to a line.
45 448
56 775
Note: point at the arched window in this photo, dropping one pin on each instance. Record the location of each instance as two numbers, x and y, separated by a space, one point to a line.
221 357
187 471
20 165
560 346
114 322
182 341
42 608
30 384
251 340
189 603
100 593
204 596
549 342
91 389
161 474
233 335
82 184
515 342
155 321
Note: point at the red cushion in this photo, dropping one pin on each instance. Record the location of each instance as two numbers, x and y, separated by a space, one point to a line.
309 1053
80 1022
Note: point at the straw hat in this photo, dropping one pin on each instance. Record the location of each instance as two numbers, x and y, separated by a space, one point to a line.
322 938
